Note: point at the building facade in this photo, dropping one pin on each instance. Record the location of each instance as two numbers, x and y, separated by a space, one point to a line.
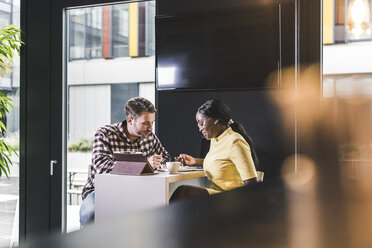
111 58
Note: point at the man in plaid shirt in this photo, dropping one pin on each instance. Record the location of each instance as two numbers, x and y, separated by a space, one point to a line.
132 135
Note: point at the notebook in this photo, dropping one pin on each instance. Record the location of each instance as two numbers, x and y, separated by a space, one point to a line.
131 164
187 168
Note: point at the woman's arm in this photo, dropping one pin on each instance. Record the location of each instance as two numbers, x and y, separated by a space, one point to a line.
199 161
240 155
189 160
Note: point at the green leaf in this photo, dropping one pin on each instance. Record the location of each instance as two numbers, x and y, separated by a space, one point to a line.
8 160
2 126
4 167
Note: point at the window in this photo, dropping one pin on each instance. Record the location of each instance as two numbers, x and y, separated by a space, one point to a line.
85 35
98 89
4 18
150 28
346 21
347 97
120 30
93 43
112 31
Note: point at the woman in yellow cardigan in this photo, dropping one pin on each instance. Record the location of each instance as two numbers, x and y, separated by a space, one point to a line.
231 160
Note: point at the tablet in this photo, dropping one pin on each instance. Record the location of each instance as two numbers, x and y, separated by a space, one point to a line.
131 164
130 157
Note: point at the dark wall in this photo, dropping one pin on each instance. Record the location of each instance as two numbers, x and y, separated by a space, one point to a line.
255 109
171 7
178 131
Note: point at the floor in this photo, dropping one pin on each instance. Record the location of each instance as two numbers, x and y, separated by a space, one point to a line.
73 222
9 194
8 201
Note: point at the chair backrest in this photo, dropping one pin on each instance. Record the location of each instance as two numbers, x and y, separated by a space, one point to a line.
260 176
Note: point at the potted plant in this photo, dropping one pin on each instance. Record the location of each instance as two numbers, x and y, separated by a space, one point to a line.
10 43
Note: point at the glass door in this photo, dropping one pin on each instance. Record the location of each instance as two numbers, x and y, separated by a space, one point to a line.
347 85
109 59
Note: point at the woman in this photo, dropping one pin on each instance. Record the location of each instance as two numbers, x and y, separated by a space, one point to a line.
231 159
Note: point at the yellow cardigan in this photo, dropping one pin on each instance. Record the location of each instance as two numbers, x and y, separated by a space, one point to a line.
228 162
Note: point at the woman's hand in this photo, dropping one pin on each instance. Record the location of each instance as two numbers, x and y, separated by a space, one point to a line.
186 159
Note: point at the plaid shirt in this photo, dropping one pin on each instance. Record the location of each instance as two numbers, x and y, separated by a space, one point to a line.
111 138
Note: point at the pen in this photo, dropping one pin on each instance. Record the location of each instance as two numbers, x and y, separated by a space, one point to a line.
182 161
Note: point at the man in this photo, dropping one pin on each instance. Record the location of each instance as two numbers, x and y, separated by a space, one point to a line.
132 135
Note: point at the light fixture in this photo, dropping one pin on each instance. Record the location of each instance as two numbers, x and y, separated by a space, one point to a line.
166 75
358 19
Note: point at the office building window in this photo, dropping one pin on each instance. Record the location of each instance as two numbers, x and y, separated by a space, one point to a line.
98 32
120 30
150 28
120 94
93 48
77 34
4 18
85 33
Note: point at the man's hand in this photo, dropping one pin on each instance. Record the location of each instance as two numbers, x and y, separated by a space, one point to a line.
155 161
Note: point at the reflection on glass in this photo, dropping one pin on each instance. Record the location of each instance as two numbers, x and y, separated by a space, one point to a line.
350 98
358 19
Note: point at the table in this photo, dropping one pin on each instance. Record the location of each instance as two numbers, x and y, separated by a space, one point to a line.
119 194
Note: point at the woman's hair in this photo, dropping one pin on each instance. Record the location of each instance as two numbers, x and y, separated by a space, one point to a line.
221 112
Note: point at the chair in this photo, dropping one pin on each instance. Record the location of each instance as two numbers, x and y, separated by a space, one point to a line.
76 192
75 186
260 176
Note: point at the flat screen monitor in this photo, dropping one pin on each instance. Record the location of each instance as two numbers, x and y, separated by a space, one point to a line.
230 49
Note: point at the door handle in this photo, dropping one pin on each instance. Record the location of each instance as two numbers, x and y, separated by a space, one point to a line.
51 165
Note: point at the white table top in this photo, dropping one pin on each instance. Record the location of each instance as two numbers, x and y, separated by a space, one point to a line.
170 178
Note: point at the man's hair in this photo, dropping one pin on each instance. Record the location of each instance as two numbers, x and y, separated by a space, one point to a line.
137 105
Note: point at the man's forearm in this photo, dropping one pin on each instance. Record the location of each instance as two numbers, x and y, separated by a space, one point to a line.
103 165
166 157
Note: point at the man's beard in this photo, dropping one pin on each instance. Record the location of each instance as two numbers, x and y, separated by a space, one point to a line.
142 134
